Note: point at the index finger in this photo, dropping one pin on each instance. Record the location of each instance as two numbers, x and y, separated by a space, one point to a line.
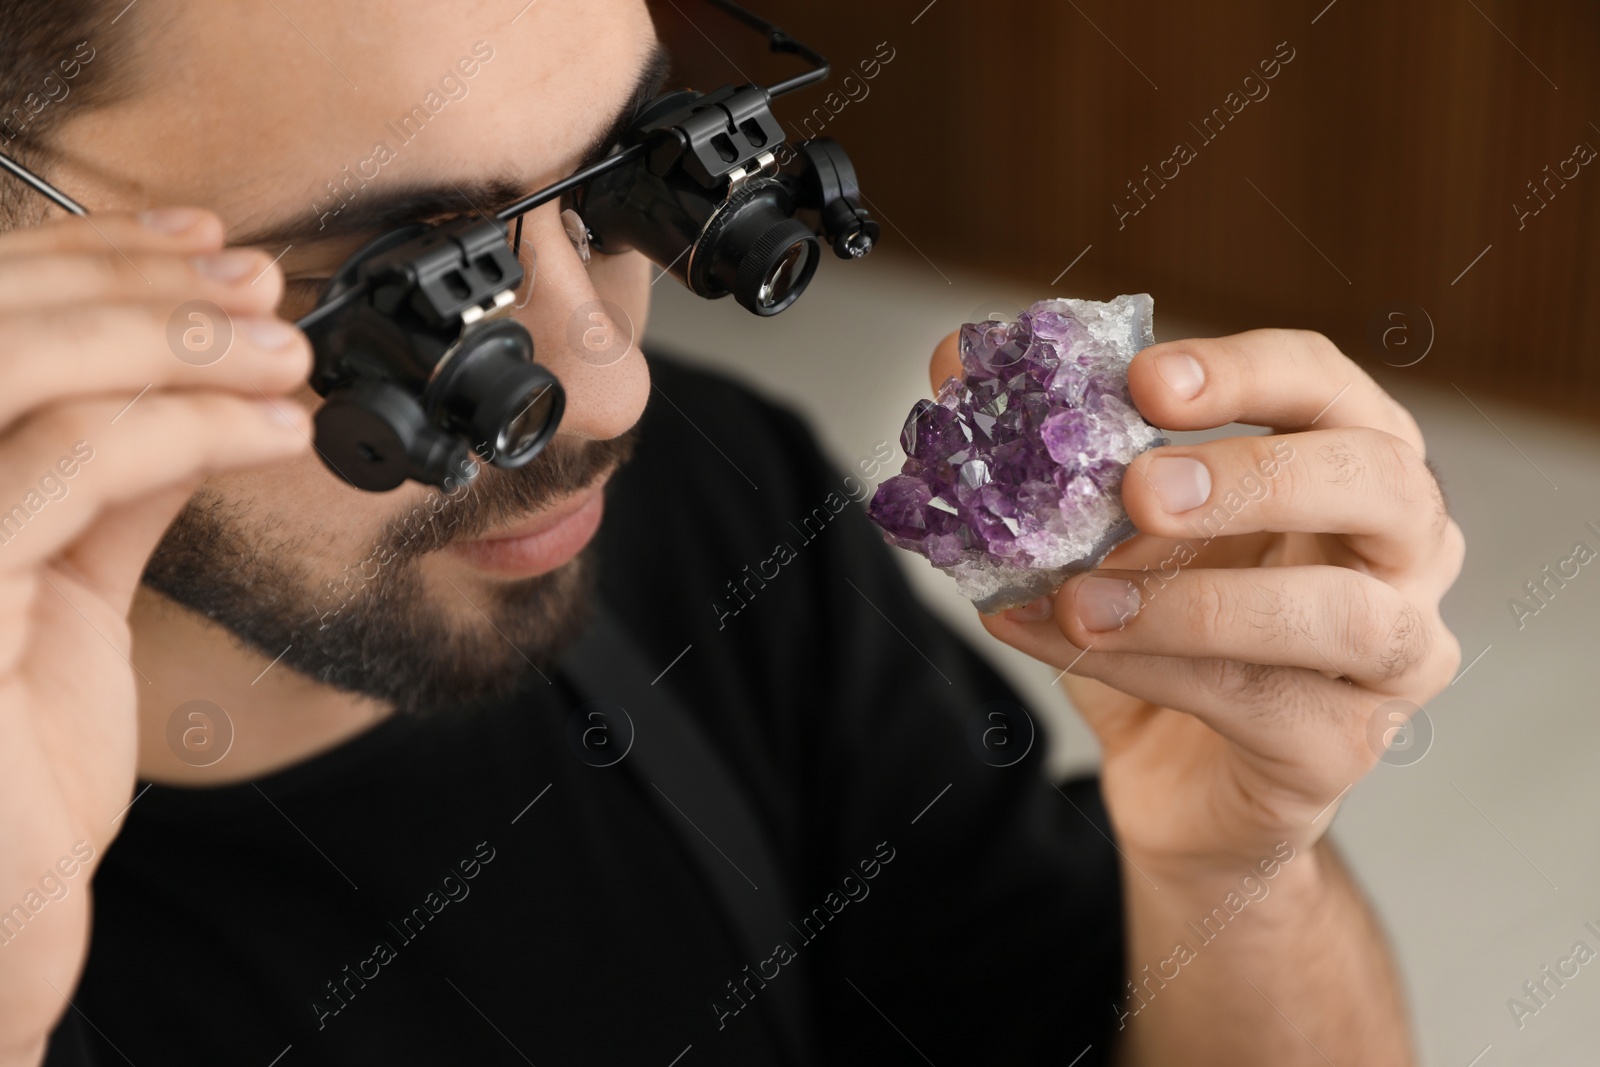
1285 379
173 229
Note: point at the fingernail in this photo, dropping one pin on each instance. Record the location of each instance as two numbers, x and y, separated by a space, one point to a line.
1180 483
268 333
1033 611
1182 373
169 219
284 414
1107 603
230 265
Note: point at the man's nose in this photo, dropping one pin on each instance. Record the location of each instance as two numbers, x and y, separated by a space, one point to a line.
586 341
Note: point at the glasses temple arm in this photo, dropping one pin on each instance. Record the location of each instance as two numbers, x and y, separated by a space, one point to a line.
39 185
783 43
550 192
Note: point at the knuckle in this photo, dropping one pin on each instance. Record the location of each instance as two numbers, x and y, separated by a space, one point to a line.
1241 682
1313 343
1444 662
1407 643
1391 466
1366 619
1397 468
1453 549
1404 476
1450 657
1441 521
1273 466
1342 459
1317 349
1384 632
1267 612
1261 458
1207 606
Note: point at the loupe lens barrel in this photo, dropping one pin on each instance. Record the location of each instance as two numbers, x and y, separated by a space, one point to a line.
633 209
525 432
493 392
747 243
766 259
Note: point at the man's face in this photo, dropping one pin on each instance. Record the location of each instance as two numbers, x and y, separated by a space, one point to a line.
311 127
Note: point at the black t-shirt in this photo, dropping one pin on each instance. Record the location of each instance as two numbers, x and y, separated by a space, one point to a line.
465 889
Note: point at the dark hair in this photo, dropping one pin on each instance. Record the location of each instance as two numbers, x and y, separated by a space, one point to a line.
54 60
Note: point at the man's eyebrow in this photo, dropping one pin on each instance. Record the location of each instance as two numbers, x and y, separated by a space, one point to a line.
652 77
401 204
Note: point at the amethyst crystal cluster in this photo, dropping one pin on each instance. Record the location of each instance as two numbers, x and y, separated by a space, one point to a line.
1013 475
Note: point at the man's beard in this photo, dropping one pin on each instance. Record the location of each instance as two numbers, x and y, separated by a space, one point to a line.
373 629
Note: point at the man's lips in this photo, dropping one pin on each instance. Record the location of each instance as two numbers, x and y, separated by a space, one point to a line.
541 542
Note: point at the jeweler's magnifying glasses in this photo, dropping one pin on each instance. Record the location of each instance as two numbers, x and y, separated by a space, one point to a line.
420 364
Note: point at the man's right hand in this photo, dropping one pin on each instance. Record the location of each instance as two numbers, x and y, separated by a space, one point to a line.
105 432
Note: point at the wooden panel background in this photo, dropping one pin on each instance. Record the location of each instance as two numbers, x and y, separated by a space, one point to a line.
1384 160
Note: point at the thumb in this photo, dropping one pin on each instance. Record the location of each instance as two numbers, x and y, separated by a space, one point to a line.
946 361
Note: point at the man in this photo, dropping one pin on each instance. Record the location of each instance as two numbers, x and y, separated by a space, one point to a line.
405 849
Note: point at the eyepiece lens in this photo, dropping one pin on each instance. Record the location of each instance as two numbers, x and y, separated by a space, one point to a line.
789 271
493 393
770 258
526 426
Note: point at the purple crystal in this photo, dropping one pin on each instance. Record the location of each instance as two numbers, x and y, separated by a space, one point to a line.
1013 474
